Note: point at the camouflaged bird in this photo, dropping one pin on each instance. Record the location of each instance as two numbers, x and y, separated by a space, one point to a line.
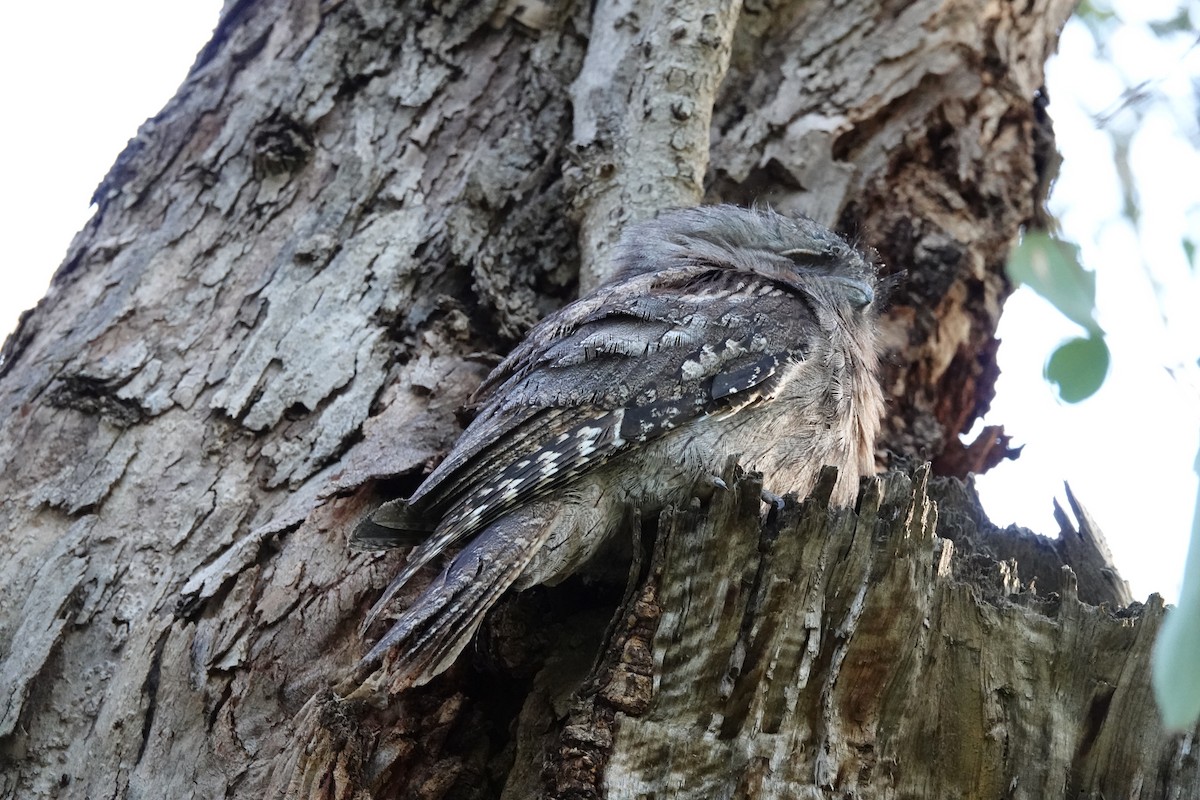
723 332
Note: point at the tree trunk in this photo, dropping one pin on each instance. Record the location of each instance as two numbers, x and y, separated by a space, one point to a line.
299 270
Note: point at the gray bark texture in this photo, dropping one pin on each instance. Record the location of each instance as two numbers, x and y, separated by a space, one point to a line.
302 266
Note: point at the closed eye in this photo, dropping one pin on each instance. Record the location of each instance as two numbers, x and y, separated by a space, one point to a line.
808 257
858 292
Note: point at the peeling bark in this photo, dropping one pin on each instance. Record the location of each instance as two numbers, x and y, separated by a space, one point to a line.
302 266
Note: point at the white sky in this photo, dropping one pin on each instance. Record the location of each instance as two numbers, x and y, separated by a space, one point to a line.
80 76
1127 451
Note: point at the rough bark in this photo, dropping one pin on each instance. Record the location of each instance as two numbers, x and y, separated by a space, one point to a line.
299 269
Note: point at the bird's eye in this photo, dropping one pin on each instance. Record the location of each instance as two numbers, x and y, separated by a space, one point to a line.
801 253
810 257
858 292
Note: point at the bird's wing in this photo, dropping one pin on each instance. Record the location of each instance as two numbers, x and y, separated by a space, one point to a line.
601 376
646 356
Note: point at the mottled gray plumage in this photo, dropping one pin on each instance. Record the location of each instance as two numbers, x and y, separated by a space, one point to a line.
725 331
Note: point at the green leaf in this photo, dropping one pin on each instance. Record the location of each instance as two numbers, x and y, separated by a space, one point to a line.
1177 651
1078 367
1098 17
1051 268
1095 11
1189 250
1180 23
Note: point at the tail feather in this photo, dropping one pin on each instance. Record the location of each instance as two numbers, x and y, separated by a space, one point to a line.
435 629
397 524
452 528
418 558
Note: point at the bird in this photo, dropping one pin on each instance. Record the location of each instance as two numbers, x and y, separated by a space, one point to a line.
724 332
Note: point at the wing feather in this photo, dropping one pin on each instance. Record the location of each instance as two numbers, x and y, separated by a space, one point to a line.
562 403
569 400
